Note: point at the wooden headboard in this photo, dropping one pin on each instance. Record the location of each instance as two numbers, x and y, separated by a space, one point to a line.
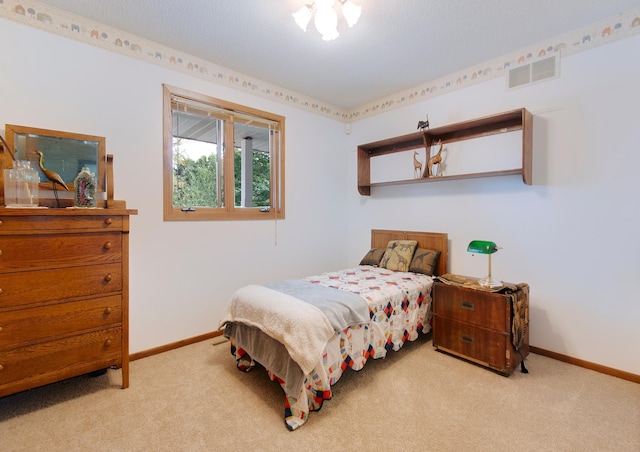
429 240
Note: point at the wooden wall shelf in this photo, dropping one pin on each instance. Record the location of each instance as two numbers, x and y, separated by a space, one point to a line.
510 121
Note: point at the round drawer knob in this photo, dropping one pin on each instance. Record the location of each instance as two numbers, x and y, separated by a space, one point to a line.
107 342
107 246
1 367
108 277
108 221
108 310
0 329
0 290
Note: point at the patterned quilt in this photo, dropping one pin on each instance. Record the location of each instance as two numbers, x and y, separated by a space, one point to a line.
399 309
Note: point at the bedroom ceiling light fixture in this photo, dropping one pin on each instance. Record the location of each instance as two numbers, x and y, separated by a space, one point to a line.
326 17
485 247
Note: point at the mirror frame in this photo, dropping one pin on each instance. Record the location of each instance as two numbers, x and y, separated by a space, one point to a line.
11 130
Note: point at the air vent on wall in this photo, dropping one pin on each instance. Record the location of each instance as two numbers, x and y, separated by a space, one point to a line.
535 71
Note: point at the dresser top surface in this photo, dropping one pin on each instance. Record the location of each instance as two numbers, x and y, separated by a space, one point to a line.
70 212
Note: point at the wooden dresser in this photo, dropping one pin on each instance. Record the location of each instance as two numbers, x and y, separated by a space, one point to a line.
477 325
64 294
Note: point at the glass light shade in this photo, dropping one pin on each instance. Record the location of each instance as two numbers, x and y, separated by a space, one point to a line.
482 247
326 22
351 12
303 17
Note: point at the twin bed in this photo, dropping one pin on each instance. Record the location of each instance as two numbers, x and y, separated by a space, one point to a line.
307 332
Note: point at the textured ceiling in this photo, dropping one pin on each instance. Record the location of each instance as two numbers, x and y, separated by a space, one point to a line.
396 45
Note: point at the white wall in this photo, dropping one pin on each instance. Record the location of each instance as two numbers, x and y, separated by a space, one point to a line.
182 273
585 188
573 234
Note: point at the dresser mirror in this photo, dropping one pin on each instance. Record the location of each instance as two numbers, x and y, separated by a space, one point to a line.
63 152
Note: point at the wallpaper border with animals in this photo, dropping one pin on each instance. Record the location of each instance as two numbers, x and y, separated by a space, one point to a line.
44 17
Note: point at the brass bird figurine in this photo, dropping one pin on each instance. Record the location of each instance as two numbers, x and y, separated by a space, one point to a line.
51 175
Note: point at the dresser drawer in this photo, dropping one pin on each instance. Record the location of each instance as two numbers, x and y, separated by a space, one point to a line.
33 365
486 309
35 324
21 252
32 224
29 287
485 347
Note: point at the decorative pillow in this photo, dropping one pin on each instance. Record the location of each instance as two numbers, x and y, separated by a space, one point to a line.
373 257
398 255
424 261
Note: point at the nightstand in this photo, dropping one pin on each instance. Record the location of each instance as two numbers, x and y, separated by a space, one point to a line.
478 325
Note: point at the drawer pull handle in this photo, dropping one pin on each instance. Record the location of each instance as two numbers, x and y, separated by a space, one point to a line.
467 339
0 290
108 277
108 310
107 246
468 305
108 221
107 342
1 367
0 329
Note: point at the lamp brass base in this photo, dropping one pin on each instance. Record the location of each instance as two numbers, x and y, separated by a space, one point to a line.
490 282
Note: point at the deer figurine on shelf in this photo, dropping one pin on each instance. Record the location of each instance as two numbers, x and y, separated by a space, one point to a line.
417 166
435 160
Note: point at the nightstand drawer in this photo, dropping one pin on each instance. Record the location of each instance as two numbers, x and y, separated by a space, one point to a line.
476 344
486 309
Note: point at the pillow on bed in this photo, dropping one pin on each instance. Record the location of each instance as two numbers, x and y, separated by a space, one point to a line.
424 261
373 257
398 255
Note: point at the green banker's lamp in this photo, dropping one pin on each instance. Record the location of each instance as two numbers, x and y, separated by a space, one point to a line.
485 247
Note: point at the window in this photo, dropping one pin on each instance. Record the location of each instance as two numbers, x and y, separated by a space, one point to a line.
222 161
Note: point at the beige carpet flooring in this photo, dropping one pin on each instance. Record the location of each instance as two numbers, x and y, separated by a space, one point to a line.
194 399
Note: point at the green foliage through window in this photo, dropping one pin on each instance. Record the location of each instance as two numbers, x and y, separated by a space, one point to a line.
194 180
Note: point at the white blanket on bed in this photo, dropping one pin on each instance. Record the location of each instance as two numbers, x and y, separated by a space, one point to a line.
277 315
